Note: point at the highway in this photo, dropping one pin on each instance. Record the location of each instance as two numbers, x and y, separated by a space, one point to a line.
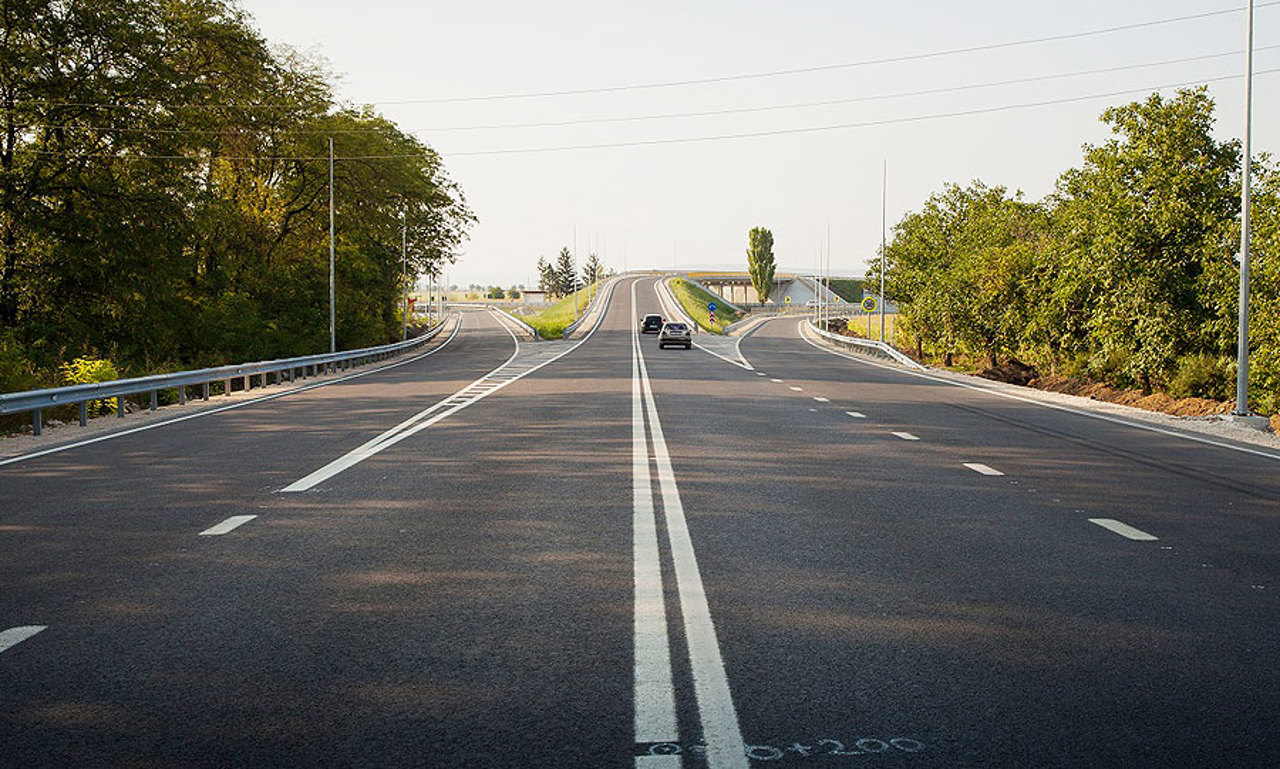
598 554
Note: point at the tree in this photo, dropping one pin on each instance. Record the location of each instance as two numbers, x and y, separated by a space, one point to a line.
566 275
496 292
513 293
760 261
1142 236
548 280
593 270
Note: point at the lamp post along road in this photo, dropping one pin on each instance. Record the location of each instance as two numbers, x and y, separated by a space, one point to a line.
1242 341
884 187
404 274
332 325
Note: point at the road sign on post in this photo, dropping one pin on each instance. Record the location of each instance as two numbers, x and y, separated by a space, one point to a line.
711 307
869 305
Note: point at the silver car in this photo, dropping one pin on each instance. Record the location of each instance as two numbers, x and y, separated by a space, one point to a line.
676 334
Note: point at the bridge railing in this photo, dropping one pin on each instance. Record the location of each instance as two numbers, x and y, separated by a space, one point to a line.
36 402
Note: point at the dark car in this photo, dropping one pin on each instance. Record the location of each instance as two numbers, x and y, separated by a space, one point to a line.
675 333
651 324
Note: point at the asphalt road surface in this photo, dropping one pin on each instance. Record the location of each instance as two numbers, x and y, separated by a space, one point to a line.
599 554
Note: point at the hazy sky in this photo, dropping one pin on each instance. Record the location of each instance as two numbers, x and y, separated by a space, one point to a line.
692 203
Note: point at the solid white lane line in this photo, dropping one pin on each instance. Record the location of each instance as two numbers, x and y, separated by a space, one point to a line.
907 436
720 730
797 389
231 524
1124 529
16 635
856 414
820 399
231 406
655 701
1054 406
978 467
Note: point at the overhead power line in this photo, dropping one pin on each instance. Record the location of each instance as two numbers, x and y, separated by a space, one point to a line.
688 139
658 116
833 67
696 81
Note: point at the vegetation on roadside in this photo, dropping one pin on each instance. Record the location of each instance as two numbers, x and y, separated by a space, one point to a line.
848 289
694 299
760 261
1125 275
164 189
551 322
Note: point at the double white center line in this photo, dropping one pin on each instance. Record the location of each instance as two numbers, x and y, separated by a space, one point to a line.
655 712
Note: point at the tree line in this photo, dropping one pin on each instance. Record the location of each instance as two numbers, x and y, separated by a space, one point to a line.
1125 274
562 278
164 186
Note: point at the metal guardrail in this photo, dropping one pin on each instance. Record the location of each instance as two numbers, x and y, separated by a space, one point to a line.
867 344
530 330
284 369
586 311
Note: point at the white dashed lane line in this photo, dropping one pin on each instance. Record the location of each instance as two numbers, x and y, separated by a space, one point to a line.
907 436
1124 529
856 414
231 524
820 399
775 380
797 389
16 635
978 467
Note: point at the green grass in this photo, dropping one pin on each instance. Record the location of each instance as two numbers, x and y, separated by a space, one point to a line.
552 321
847 289
694 299
858 325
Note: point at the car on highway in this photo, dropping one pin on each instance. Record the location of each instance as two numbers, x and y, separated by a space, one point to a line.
651 324
675 333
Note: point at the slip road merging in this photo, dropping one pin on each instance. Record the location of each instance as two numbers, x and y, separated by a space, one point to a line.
521 363
656 728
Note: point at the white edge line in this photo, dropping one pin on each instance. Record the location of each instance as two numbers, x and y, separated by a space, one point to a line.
229 525
230 406
1124 529
1054 406
16 635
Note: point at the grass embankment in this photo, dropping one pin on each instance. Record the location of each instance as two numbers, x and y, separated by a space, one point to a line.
847 289
694 300
552 321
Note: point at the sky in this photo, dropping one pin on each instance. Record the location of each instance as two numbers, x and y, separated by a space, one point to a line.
674 196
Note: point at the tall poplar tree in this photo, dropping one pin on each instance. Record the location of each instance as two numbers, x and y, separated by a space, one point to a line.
760 261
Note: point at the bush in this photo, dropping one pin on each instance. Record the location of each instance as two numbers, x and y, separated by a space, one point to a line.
88 371
17 372
1201 376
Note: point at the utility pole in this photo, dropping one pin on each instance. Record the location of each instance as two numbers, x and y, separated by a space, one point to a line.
574 285
404 272
333 337
1242 342
884 188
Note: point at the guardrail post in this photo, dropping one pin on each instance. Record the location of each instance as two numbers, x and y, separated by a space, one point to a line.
247 383
226 387
154 397
36 421
84 413
120 407
204 391
182 395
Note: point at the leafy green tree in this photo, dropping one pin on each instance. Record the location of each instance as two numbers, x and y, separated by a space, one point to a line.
760 263
1142 237
548 280
496 292
513 293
